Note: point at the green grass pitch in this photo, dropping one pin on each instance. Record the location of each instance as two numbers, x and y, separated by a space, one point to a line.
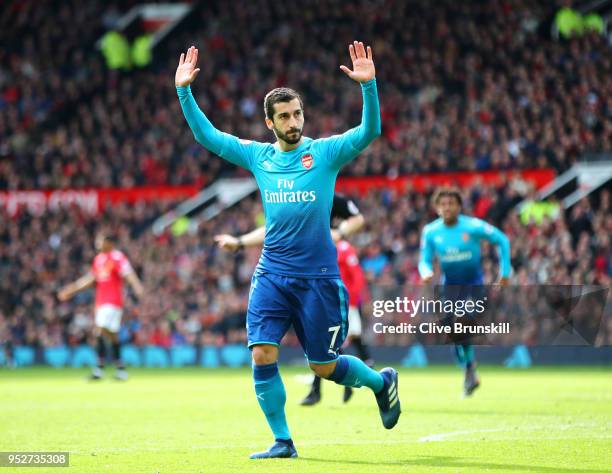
194 420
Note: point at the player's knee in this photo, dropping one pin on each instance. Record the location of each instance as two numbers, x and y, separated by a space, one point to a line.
324 370
264 354
112 336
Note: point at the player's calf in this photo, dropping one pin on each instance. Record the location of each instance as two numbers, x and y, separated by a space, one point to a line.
352 372
272 397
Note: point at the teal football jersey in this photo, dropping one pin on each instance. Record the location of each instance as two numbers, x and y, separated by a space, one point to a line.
457 248
297 186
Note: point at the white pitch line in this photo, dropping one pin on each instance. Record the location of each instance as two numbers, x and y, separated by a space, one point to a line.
441 437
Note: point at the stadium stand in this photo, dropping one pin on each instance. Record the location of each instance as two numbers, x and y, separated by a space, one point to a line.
198 294
463 85
487 90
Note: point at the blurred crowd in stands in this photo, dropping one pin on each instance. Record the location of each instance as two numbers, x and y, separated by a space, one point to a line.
463 85
196 293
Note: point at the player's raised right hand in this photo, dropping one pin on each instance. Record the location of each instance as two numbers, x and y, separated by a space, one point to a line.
186 71
363 64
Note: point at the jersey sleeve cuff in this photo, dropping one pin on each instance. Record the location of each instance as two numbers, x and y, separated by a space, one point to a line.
183 90
369 84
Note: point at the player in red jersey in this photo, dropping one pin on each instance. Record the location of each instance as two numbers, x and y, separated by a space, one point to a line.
355 281
352 275
110 267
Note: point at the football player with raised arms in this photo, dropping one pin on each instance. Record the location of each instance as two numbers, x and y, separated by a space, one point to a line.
297 281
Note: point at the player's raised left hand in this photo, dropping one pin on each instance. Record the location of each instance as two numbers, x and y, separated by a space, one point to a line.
363 64
187 71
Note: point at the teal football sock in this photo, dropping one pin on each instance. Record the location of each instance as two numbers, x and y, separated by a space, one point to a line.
459 354
468 355
271 396
351 371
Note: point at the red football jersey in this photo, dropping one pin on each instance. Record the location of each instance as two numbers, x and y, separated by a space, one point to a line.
351 272
108 270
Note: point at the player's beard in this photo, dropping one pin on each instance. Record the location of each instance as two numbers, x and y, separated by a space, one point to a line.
450 219
292 137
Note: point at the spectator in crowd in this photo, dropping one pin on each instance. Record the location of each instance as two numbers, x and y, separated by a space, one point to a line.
475 85
465 86
198 294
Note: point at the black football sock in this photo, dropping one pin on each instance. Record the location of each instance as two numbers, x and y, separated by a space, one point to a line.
101 349
117 355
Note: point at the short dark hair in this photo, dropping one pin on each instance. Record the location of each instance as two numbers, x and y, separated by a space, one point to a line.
447 192
109 237
280 94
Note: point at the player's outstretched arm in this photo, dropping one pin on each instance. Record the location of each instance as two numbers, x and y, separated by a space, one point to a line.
426 257
68 291
135 283
498 238
257 236
229 147
232 243
348 145
348 227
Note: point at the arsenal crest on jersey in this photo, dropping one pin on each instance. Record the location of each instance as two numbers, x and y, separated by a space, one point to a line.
307 161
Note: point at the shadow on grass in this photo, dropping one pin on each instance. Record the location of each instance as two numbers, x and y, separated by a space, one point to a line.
452 462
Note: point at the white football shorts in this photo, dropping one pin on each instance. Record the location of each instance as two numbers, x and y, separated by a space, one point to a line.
108 316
